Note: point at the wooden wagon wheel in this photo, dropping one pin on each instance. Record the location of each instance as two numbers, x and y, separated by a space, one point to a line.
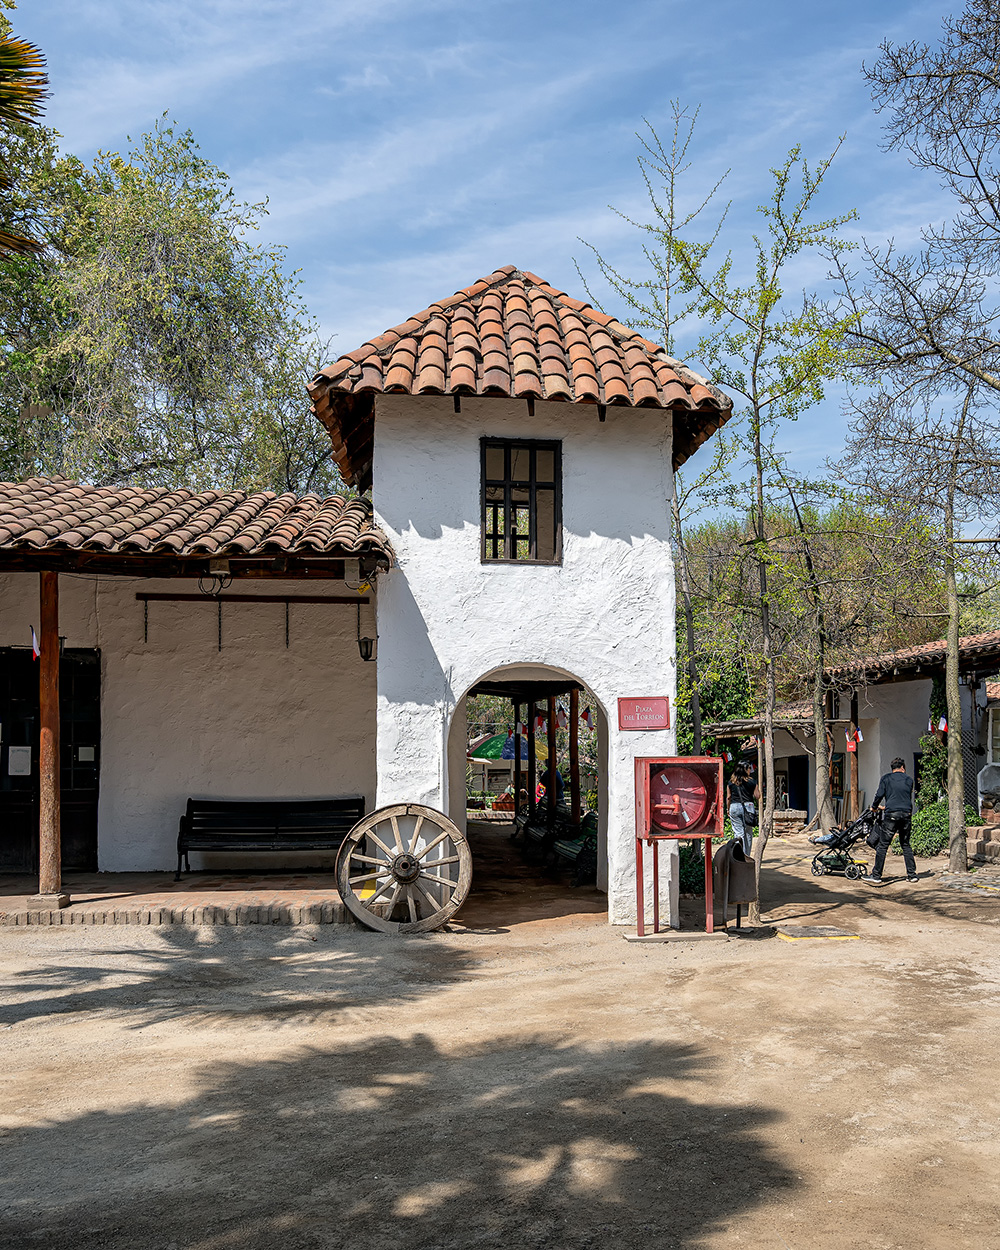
404 869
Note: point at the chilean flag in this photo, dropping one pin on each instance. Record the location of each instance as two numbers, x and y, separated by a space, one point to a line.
539 722
562 720
36 650
588 718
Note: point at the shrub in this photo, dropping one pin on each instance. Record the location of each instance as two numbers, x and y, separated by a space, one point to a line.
929 832
692 869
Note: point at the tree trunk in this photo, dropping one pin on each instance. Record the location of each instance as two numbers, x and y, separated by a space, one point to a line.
958 859
692 659
767 781
824 799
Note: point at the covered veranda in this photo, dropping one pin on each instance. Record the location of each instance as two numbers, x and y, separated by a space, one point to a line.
156 577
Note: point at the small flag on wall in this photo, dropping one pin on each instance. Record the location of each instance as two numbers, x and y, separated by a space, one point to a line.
588 718
943 725
36 650
562 720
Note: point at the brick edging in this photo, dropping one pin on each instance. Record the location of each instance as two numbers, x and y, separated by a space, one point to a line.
273 914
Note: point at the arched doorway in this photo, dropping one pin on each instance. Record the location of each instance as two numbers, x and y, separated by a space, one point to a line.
514 688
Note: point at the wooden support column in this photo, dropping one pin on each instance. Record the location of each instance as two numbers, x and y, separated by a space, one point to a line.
532 769
517 758
550 785
855 800
50 892
574 755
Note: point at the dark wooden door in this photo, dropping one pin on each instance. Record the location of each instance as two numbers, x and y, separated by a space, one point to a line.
798 782
80 738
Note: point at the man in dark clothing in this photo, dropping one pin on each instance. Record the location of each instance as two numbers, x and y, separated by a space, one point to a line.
896 791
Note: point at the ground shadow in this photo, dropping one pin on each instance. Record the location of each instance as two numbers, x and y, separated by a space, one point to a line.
788 887
509 888
398 1143
220 974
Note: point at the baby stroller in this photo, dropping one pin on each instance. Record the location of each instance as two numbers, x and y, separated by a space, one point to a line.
835 855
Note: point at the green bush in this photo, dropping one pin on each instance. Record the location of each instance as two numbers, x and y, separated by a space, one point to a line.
929 832
692 871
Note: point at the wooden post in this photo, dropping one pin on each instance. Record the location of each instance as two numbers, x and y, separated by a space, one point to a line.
532 769
50 892
574 755
550 785
855 801
517 758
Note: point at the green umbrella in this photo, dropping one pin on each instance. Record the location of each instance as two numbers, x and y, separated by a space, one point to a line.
492 749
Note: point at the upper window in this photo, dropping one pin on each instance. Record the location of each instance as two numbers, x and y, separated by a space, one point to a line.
522 501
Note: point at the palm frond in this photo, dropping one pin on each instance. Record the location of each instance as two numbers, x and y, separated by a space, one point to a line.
23 82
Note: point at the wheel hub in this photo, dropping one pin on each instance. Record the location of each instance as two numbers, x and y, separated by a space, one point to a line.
406 868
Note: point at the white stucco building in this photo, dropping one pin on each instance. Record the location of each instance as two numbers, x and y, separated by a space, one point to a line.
889 697
519 447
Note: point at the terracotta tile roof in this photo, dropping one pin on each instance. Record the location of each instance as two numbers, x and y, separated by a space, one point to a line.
55 514
975 650
510 335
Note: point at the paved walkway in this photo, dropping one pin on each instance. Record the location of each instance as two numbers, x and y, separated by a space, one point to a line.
198 898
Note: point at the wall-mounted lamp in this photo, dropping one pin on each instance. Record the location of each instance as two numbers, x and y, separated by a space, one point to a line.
366 646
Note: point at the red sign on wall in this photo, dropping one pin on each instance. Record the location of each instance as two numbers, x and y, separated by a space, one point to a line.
652 712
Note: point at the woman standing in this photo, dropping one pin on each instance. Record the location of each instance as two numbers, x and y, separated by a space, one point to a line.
743 795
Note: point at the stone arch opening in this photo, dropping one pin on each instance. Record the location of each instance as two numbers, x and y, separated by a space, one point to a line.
526 677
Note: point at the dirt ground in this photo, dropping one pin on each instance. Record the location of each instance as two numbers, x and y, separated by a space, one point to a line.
527 1079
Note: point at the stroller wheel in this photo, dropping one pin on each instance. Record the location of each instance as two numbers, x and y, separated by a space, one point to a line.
852 872
818 869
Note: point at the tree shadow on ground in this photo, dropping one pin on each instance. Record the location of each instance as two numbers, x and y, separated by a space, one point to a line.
401 1143
220 975
831 898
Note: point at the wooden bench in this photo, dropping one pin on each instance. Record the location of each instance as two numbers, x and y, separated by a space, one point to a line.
581 851
540 834
265 825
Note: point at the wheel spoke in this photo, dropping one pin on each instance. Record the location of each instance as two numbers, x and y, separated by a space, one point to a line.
431 903
395 834
380 844
411 903
431 845
430 876
439 863
381 890
368 859
366 877
416 834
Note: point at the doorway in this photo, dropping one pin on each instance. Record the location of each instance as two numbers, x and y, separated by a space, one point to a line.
80 755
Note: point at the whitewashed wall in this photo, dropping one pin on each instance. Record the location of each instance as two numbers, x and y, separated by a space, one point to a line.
181 718
445 620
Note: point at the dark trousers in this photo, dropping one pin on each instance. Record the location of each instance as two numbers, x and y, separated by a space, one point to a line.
893 824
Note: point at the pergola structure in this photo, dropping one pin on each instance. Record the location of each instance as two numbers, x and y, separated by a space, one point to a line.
213 538
529 694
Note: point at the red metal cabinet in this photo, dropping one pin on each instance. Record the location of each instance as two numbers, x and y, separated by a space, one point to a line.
678 797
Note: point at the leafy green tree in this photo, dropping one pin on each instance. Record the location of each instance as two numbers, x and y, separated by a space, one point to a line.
156 343
774 358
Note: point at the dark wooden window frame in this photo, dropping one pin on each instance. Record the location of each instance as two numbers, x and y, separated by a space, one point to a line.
532 446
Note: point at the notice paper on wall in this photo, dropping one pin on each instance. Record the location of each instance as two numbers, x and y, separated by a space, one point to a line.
19 761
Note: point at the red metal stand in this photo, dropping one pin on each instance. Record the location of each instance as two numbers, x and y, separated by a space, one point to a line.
679 798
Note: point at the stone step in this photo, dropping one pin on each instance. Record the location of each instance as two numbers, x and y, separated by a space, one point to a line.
204 914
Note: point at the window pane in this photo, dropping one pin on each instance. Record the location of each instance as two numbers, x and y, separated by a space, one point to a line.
520 464
494 464
545 466
494 494
545 513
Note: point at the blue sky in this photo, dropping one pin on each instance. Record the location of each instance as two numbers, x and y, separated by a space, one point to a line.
406 149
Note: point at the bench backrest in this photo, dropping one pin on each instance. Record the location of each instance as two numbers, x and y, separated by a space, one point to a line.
280 815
